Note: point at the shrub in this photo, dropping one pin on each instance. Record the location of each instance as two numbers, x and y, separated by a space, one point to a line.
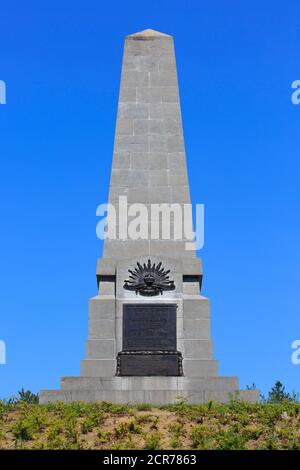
152 442
176 429
29 423
126 444
228 440
133 427
91 421
23 430
199 435
253 432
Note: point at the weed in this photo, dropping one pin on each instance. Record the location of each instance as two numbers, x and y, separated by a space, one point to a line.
103 436
121 430
91 421
126 444
228 440
23 430
114 408
133 427
152 442
142 419
176 429
199 435
175 443
253 432
28 424
155 421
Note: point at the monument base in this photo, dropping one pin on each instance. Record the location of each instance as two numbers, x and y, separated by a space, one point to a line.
185 335
154 390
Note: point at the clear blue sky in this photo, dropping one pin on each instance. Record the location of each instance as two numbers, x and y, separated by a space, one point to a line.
61 62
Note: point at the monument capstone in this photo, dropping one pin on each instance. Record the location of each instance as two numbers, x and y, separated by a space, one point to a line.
149 325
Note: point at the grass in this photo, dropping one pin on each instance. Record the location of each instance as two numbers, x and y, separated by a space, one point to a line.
105 425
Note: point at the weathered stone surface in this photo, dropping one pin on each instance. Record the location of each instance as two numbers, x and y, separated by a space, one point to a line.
107 287
101 329
149 135
196 307
200 368
98 367
101 348
156 396
196 329
157 390
197 349
102 308
127 95
121 160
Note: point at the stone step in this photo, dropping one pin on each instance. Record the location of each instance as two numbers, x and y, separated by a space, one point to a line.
155 397
150 383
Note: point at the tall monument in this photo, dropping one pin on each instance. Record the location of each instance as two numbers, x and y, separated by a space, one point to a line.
149 326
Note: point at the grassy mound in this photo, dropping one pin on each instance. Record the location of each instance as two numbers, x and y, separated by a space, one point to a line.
105 425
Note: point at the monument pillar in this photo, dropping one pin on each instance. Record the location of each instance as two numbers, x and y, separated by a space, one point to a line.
149 326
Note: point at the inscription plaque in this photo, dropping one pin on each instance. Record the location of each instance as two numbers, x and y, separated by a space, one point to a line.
149 327
149 341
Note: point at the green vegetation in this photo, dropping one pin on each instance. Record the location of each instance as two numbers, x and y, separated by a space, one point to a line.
272 424
104 425
152 441
176 430
277 394
27 396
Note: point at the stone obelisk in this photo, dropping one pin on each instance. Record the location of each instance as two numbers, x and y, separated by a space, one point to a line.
149 164
149 326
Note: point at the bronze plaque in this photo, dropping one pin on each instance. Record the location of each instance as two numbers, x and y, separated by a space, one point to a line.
149 327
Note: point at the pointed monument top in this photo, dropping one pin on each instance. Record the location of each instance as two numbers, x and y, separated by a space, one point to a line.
148 33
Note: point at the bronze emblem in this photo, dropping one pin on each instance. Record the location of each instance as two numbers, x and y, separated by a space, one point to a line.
149 280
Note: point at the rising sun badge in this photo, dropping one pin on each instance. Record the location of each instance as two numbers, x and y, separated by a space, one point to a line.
149 280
